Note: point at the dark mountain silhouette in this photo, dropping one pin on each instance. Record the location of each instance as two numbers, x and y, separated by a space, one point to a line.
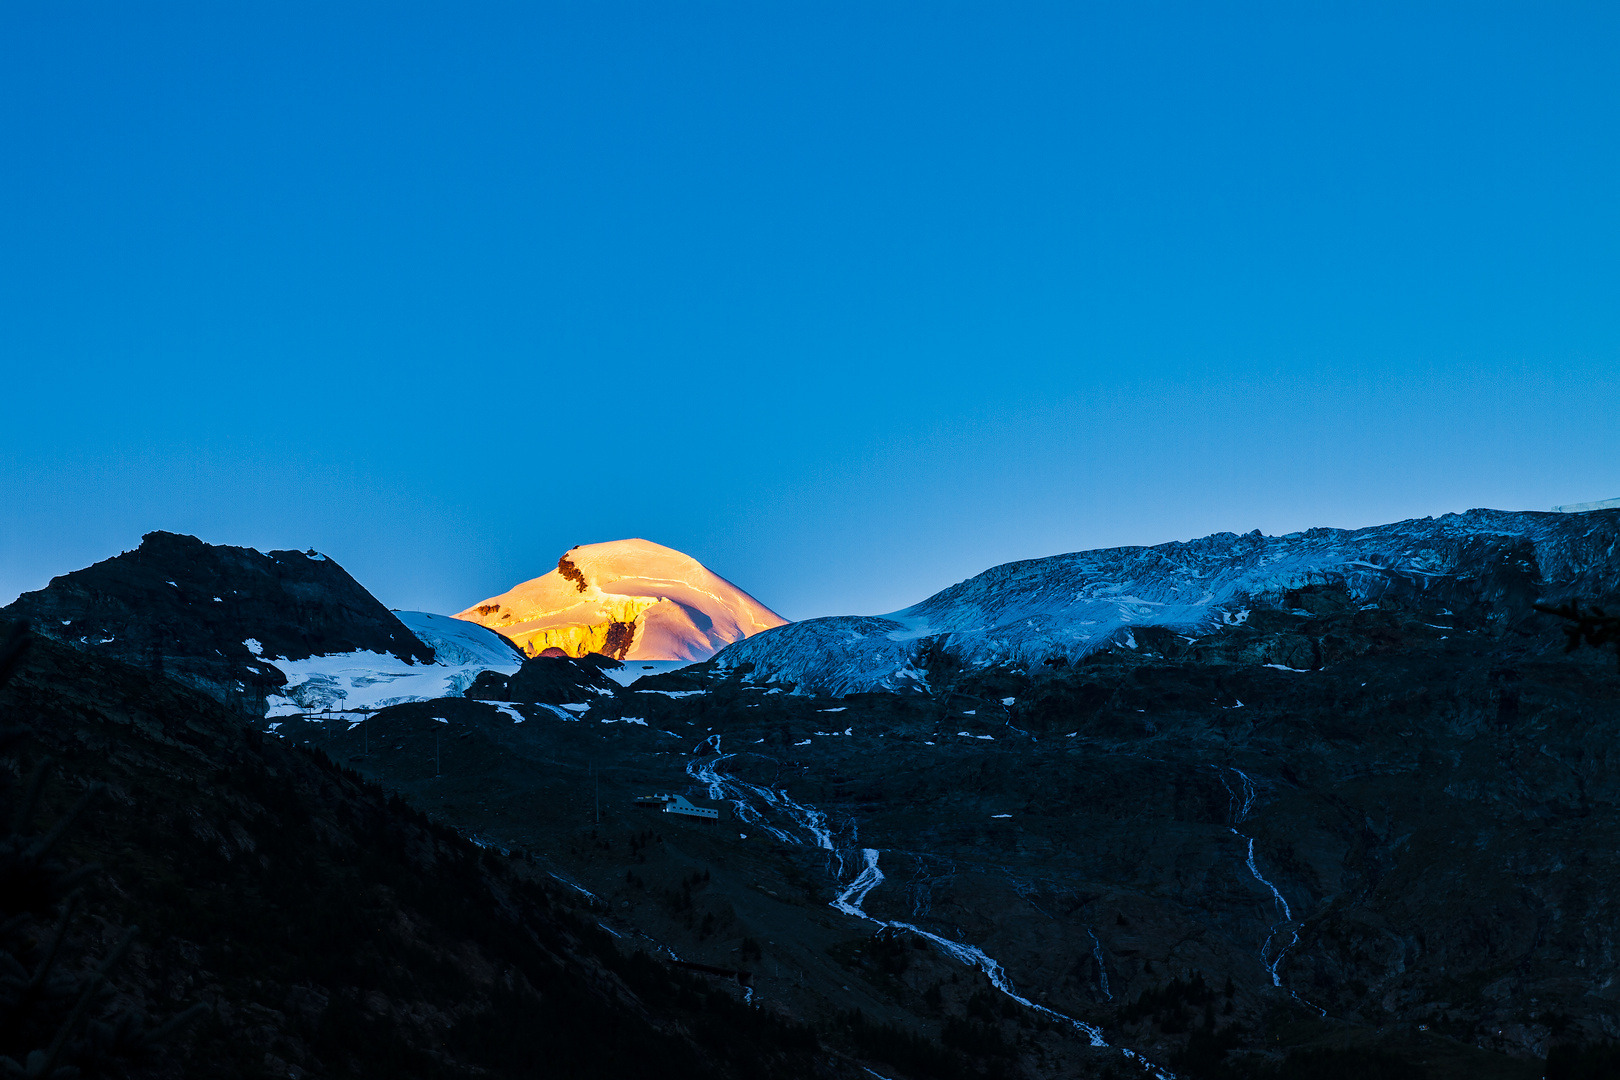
187 609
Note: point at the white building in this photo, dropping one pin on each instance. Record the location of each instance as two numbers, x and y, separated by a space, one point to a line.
678 804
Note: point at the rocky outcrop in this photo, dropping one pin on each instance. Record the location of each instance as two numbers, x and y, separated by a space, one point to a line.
552 680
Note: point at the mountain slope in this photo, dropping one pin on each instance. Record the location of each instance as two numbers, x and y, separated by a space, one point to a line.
214 616
1062 608
333 931
629 599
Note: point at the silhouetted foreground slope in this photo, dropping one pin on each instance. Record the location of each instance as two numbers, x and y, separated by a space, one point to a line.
333 931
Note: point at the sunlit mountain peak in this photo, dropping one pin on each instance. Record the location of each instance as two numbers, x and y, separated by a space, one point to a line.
629 599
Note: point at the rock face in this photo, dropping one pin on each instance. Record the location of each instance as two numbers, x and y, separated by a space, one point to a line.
215 617
1487 563
628 599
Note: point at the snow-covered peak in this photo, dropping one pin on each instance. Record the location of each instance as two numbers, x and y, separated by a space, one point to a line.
632 599
1024 613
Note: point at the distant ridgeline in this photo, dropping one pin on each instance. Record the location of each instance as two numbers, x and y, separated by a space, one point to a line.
290 633
1490 563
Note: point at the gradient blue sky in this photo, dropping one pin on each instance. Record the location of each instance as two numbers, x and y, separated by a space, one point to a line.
850 301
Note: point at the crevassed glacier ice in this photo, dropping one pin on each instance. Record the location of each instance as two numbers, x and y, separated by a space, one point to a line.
368 680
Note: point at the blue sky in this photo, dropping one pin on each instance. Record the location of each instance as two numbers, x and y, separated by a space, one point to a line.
850 301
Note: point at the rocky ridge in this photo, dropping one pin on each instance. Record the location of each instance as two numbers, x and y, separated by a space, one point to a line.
215 616
1024 614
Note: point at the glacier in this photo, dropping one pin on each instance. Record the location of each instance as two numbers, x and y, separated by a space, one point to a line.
1063 607
364 680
